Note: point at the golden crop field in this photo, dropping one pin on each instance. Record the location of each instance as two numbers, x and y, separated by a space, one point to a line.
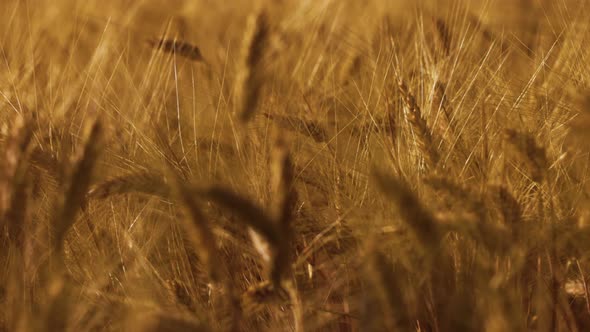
294 165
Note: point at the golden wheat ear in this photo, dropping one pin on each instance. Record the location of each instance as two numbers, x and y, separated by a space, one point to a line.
529 152
444 35
423 134
311 129
177 47
255 217
250 77
143 182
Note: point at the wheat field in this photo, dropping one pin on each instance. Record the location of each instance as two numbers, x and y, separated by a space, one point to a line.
293 165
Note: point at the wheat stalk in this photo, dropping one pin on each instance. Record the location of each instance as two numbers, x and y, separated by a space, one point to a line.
15 149
198 229
77 184
390 291
414 214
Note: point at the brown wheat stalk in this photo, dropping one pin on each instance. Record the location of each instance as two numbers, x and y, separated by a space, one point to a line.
15 149
77 184
412 211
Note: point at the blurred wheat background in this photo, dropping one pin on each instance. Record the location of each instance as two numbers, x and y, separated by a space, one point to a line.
294 165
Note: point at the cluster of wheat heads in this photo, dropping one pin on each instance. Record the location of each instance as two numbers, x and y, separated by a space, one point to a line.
294 166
